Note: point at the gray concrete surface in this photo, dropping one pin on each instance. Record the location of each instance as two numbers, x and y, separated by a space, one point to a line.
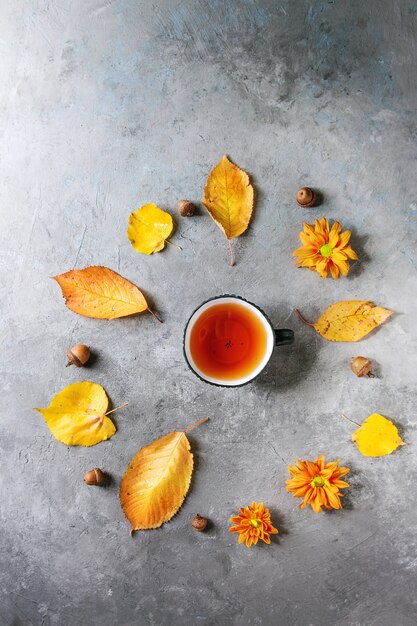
107 105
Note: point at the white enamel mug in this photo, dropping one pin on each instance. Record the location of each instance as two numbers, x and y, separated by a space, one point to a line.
274 338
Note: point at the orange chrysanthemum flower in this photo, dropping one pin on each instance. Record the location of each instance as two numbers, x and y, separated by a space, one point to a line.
318 483
325 251
253 523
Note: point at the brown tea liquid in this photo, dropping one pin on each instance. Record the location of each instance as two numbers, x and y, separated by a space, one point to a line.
228 341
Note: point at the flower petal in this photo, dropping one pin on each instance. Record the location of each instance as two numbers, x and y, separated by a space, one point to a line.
315 504
343 266
344 239
333 500
334 270
321 267
350 253
304 252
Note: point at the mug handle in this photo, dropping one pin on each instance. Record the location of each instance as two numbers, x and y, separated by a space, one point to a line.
283 336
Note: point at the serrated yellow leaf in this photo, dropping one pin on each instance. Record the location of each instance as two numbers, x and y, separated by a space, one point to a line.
149 227
377 436
349 320
228 197
100 293
156 481
76 415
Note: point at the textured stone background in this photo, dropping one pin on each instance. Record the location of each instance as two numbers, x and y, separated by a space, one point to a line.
106 105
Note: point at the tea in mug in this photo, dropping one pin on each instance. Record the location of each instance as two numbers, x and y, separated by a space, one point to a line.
228 341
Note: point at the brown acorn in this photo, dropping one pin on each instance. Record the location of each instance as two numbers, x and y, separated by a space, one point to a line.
95 477
78 355
361 366
186 208
306 197
199 522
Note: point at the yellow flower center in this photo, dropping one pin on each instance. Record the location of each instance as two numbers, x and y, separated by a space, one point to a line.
317 481
255 523
326 250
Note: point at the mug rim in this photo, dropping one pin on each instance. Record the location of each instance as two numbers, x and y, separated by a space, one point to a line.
226 295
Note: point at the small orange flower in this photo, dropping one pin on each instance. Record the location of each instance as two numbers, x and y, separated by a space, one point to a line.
253 523
318 483
325 251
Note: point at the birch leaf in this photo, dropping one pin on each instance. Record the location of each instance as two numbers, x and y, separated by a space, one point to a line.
349 320
77 416
377 436
228 197
100 293
149 227
157 480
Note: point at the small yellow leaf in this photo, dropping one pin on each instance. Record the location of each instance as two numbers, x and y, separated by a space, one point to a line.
228 197
76 415
100 293
377 436
148 228
349 320
156 481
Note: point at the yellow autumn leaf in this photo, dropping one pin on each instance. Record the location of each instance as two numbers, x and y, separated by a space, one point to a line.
149 227
101 293
77 416
156 481
377 436
349 320
228 197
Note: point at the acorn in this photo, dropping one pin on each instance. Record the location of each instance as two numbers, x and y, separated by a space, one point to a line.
186 208
306 197
361 366
199 522
78 355
95 477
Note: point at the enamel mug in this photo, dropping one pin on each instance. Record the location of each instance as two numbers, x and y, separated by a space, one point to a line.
273 336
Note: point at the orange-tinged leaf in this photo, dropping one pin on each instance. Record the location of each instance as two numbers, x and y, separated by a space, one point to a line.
349 320
377 436
156 481
100 293
76 415
149 227
228 197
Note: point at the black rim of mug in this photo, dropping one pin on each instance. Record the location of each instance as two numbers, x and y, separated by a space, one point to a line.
226 295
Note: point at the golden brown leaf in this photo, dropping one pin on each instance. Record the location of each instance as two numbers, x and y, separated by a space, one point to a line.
100 293
77 416
349 320
149 227
156 481
228 197
377 436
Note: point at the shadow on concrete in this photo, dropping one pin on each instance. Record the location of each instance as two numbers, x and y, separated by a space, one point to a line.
358 243
289 364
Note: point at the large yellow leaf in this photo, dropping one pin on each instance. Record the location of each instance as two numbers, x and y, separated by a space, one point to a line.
157 480
228 197
101 293
377 436
349 320
76 415
148 228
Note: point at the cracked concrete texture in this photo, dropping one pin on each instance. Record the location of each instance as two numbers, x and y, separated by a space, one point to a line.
107 105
